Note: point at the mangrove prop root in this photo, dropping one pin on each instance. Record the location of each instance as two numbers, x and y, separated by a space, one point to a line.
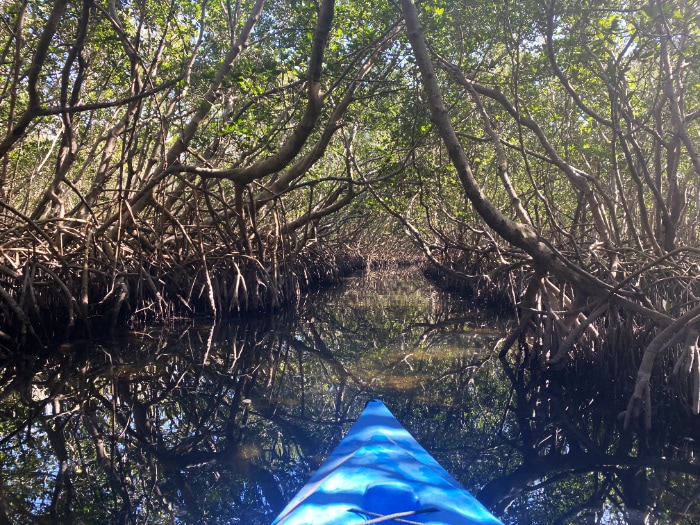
641 387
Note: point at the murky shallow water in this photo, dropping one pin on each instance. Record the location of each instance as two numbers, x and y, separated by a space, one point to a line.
224 424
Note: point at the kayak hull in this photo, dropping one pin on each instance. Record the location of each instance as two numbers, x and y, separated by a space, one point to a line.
377 470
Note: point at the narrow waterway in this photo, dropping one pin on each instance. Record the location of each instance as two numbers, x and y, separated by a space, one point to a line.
223 424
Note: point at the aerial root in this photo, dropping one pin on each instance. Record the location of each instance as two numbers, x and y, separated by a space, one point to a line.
689 361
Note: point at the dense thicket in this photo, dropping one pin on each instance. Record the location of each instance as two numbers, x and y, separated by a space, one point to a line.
163 157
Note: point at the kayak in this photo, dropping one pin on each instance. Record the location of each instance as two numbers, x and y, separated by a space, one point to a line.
380 474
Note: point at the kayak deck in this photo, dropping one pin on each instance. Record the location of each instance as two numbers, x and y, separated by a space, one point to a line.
380 474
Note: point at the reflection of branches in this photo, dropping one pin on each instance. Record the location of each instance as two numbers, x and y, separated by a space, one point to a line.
119 483
319 349
62 485
558 450
152 422
538 472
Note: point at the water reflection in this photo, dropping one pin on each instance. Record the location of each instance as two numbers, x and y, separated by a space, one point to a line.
224 424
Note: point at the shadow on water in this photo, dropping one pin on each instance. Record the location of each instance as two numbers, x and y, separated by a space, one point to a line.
224 424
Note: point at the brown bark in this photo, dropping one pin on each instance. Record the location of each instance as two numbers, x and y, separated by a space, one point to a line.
32 110
518 234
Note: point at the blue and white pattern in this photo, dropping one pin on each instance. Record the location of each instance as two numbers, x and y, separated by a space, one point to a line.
379 470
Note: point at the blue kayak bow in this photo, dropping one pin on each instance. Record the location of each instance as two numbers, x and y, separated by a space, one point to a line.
380 474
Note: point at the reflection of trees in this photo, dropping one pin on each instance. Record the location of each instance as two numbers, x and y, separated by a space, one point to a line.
573 463
536 448
220 425
152 428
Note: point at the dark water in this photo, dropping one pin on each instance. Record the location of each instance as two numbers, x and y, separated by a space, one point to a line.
224 424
